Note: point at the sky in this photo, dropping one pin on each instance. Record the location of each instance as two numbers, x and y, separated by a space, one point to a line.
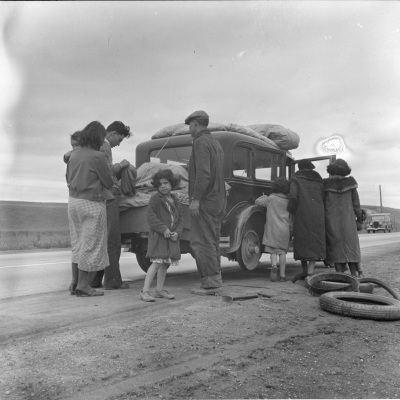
322 69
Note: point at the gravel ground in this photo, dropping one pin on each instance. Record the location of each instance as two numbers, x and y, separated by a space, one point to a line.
282 346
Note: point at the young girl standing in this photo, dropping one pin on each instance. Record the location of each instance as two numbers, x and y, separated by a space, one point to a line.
166 225
277 229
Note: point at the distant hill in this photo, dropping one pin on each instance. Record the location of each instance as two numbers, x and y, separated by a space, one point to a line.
30 225
31 216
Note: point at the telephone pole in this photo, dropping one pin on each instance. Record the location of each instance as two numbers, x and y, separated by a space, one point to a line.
380 196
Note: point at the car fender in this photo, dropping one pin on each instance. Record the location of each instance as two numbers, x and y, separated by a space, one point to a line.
234 223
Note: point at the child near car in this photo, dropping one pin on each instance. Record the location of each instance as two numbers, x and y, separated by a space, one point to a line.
166 225
277 229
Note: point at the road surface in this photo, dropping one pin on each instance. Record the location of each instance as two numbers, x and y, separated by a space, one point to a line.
25 273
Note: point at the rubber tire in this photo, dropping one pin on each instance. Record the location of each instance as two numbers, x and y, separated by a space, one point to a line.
382 285
241 252
143 261
384 309
316 287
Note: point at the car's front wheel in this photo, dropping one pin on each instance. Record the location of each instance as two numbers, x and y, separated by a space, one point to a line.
249 252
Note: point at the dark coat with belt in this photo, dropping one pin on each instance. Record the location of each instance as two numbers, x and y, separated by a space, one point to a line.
206 177
306 202
342 207
159 219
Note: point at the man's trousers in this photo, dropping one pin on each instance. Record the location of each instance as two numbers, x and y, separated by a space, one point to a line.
204 241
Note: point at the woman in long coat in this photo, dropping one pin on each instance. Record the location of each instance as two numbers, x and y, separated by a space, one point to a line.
342 207
306 202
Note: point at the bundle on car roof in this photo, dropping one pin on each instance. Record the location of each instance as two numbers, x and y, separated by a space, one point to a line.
276 135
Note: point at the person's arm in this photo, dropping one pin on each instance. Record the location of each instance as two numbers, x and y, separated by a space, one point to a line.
262 201
103 171
179 226
153 219
356 204
203 170
67 156
293 197
203 176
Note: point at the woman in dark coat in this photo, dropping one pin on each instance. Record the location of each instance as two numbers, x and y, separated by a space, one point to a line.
166 225
342 207
306 202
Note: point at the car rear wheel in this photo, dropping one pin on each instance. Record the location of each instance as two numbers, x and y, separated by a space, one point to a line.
249 252
143 261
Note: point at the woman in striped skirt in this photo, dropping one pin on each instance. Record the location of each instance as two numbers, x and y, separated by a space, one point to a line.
89 178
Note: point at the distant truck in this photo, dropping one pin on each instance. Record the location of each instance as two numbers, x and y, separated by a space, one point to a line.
380 222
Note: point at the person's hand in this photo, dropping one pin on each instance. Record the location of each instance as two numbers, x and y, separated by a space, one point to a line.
194 208
167 233
174 236
124 164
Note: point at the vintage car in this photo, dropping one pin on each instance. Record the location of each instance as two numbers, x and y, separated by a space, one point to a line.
250 167
380 222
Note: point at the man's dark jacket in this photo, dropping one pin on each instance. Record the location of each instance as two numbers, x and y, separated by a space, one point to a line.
206 177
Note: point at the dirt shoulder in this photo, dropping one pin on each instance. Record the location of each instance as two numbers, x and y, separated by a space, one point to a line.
282 346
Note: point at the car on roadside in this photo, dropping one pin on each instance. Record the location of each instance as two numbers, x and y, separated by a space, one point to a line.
380 222
250 168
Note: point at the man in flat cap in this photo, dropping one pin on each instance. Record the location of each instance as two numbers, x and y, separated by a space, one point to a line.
207 202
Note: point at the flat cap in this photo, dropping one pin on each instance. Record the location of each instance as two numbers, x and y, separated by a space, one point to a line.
202 115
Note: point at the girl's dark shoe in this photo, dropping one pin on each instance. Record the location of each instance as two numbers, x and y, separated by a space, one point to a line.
82 293
72 288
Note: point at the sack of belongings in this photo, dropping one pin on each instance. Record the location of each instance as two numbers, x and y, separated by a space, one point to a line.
277 136
245 130
183 129
283 137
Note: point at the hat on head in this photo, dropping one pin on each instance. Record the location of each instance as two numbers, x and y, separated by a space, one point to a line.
306 164
197 115
120 128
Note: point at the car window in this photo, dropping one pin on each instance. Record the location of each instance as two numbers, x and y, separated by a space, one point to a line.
241 162
268 166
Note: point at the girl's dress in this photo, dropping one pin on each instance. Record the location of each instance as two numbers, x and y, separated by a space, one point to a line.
163 214
277 227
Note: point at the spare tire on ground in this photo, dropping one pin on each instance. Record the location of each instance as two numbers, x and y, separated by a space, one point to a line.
361 305
319 284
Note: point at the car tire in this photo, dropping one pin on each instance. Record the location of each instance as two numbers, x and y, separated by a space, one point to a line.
361 305
319 284
249 252
143 261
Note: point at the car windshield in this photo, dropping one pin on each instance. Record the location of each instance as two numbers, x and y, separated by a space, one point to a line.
379 218
173 155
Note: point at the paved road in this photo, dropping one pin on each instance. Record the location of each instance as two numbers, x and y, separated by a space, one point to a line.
24 273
